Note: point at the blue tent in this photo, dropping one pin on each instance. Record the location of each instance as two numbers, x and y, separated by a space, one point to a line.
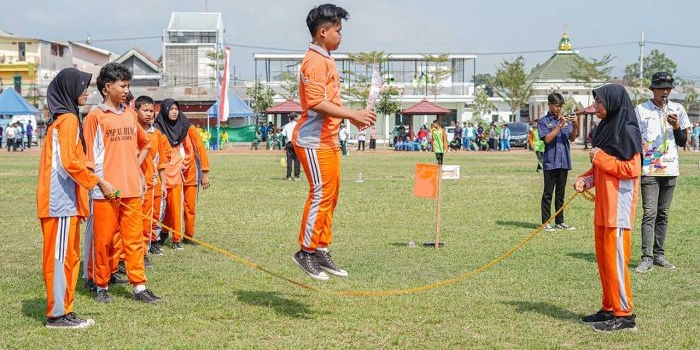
236 108
11 103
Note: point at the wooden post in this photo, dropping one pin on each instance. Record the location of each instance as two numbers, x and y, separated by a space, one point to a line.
439 204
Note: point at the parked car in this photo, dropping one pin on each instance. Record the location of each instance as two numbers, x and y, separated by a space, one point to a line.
518 134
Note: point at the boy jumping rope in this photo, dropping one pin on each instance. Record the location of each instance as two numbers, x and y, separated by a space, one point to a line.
315 139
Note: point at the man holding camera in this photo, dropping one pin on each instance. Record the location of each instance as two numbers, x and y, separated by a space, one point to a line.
556 130
664 125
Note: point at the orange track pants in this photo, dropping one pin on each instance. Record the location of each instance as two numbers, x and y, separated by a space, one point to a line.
612 250
110 218
60 259
147 210
173 211
157 201
190 195
322 169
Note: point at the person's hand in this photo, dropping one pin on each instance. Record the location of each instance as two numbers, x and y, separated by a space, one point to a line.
205 180
579 185
592 152
163 190
672 119
106 188
363 118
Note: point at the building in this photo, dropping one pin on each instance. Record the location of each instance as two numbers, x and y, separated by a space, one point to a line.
188 42
90 59
146 70
445 80
29 64
554 75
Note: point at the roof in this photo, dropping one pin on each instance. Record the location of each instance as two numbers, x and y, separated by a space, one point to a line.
558 67
7 34
144 57
285 107
92 48
11 103
425 108
195 22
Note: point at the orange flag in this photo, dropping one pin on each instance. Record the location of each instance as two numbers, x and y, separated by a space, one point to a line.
426 181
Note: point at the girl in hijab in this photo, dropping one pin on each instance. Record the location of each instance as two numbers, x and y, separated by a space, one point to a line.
62 199
188 168
615 171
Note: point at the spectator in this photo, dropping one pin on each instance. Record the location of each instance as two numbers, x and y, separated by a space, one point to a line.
537 145
480 137
493 136
10 137
469 134
439 140
343 135
505 138
696 136
292 158
30 132
361 135
373 138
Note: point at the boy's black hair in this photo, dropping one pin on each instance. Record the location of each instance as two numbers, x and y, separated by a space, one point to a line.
143 100
555 98
323 14
100 83
114 71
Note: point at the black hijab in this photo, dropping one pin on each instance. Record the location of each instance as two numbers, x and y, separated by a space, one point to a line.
174 130
618 134
63 92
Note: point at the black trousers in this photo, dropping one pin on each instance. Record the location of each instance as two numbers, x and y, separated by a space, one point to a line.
554 181
361 143
372 143
292 157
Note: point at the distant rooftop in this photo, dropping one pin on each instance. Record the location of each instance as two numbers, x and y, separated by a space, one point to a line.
559 66
195 22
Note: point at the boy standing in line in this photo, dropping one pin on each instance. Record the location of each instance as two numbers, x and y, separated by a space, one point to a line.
315 139
113 138
195 173
153 171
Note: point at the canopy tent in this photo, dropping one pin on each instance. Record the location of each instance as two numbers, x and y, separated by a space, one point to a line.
11 103
237 108
423 107
284 108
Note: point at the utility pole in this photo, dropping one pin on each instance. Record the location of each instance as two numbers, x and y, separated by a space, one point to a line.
641 62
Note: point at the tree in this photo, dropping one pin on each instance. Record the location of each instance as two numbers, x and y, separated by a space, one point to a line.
510 84
435 72
691 96
639 91
262 97
359 82
591 72
387 103
481 104
290 85
217 64
655 62
482 79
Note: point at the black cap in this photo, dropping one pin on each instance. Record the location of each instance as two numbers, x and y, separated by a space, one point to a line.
661 80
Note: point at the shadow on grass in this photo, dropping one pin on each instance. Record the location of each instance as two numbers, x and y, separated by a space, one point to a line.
35 308
282 306
590 257
544 309
517 224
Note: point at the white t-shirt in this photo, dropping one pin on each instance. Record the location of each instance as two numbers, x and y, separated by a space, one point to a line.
343 134
659 150
288 130
361 135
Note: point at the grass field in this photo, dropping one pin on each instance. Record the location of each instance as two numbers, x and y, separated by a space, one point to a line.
532 300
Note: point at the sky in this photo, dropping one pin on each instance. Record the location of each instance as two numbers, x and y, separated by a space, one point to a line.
495 30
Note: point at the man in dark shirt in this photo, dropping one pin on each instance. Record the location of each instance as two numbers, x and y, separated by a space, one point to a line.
556 130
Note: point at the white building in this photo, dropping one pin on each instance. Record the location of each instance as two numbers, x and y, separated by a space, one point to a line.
187 41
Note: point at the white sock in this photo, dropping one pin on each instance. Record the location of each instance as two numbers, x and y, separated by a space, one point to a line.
99 289
323 249
139 288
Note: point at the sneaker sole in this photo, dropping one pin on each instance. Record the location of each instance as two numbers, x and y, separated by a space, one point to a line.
79 326
319 277
334 272
632 329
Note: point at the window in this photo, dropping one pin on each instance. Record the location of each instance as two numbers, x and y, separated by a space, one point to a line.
57 50
21 51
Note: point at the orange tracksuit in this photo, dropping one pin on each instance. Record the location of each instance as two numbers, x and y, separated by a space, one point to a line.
61 200
615 203
315 140
157 158
172 216
196 162
113 140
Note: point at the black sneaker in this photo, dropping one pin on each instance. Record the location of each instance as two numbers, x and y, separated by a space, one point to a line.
68 322
600 316
307 262
147 263
325 262
73 317
90 285
155 249
661 261
176 246
121 267
617 324
102 296
564 226
146 296
188 241
118 280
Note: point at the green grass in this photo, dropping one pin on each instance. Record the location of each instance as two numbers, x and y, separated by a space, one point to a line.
532 300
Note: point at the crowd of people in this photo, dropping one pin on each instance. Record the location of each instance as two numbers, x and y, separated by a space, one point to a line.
15 133
122 170
466 137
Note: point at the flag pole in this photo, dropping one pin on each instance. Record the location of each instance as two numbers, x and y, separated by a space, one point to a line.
439 204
